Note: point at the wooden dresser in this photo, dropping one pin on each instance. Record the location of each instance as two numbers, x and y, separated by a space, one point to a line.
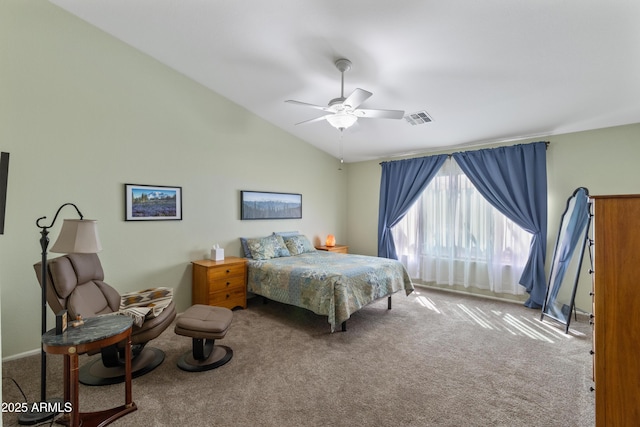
220 283
616 309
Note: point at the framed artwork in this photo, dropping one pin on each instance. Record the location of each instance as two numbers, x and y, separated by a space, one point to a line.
264 205
152 202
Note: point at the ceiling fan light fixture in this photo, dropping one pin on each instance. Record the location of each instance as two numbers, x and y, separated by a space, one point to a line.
344 112
341 120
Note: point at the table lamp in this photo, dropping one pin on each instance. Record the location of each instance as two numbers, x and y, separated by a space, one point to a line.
331 240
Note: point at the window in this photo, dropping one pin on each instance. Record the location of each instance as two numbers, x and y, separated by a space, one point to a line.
453 236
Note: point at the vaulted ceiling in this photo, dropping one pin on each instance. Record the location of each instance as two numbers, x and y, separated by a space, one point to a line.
484 71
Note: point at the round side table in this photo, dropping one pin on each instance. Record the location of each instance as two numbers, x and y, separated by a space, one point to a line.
94 334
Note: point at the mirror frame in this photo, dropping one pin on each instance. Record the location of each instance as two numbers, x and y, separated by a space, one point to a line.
578 248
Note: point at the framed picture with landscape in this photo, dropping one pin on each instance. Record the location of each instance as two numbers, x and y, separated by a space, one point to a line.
264 205
152 202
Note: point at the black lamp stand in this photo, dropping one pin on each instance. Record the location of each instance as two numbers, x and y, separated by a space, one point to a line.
45 409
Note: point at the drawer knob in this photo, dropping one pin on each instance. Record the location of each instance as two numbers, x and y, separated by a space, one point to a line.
228 296
591 352
228 271
228 283
591 389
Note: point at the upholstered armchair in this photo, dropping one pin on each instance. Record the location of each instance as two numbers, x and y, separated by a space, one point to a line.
76 284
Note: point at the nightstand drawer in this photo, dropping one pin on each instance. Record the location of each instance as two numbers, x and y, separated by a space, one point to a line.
226 273
225 283
234 297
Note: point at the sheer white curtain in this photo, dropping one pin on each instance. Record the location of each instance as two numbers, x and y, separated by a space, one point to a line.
453 236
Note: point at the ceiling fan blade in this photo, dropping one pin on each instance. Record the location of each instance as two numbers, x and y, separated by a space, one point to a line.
317 119
357 97
379 114
304 104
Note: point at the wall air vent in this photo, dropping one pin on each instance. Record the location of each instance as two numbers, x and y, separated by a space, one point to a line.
418 118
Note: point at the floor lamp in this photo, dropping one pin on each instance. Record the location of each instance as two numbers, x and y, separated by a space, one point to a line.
76 236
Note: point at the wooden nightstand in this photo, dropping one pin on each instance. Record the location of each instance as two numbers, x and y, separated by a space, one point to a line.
340 249
220 283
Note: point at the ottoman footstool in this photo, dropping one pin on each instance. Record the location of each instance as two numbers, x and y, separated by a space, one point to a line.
204 324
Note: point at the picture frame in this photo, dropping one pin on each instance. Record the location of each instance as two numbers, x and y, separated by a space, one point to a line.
152 202
61 322
256 205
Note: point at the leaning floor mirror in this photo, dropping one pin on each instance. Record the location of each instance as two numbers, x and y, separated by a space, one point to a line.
567 258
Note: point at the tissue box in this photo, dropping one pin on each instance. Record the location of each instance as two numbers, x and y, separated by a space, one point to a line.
217 254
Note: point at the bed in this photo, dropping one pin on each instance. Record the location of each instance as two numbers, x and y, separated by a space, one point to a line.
329 284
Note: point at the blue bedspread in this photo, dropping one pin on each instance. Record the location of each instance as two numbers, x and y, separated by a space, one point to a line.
327 283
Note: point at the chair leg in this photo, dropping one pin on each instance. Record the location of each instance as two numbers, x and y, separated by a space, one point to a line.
111 356
216 356
96 373
202 348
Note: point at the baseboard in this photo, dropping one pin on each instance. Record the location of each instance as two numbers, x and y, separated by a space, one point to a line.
21 355
471 294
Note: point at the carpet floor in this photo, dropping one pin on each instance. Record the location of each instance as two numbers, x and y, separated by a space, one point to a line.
435 359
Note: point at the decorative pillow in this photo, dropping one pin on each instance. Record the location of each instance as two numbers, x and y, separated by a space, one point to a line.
286 233
267 247
281 249
245 247
298 244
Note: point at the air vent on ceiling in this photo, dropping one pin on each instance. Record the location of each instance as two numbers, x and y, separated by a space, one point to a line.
418 118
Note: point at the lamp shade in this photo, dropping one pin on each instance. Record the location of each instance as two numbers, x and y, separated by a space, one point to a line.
341 120
78 236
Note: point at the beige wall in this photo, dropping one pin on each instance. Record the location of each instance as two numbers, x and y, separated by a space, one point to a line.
604 161
81 114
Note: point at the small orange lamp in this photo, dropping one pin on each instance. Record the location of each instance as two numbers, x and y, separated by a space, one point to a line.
331 240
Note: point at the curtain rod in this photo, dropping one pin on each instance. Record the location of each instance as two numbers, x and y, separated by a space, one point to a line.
546 143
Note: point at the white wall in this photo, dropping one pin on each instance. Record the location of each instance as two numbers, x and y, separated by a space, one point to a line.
81 114
605 161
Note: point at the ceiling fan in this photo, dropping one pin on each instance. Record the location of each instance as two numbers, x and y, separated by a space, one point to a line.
344 112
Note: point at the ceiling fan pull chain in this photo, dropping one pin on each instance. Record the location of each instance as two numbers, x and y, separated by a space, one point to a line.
340 148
